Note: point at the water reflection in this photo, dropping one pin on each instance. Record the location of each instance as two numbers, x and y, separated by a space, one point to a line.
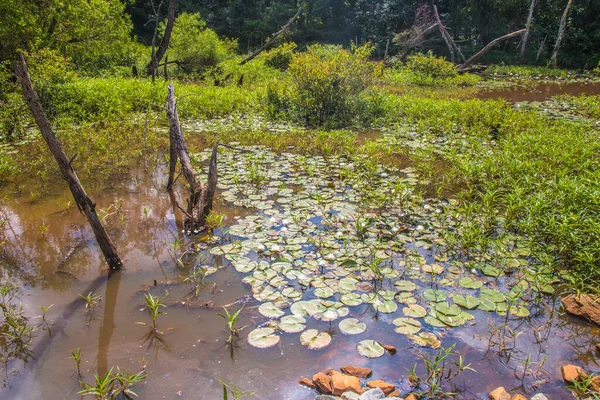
107 326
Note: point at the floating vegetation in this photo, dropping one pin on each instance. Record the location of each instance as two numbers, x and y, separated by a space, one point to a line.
333 235
370 349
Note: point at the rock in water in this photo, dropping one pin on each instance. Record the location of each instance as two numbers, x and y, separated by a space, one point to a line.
583 305
571 373
322 382
307 382
357 371
385 387
499 394
373 394
341 383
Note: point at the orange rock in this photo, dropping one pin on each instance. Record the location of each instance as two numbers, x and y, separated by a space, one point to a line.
390 349
341 383
571 373
395 393
322 382
595 384
411 396
357 371
583 305
499 394
385 387
518 397
307 382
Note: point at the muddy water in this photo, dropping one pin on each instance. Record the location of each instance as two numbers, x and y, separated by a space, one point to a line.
540 92
192 358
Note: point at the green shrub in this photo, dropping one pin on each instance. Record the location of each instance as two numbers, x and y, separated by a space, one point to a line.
430 67
326 83
597 69
280 57
196 48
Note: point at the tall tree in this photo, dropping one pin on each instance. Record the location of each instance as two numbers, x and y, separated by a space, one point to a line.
561 34
164 43
527 29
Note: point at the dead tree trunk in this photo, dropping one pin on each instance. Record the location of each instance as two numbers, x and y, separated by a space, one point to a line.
414 42
489 46
539 52
561 34
527 29
200 202
85 204
275 35
164 43
443 32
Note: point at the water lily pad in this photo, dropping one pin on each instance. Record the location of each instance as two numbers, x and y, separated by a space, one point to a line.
292 323
269 310
470 283
324 292
407 326
434 295
370 348
432 269
387 306
425 339
351 299
434 321
486 305
415 311
352 326
263 338
469 302
405 286
446 309
303 308
315 340
347 284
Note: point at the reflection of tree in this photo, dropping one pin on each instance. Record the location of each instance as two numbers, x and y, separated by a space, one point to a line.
108 320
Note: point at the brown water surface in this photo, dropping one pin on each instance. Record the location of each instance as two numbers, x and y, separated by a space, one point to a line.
539 92
193 357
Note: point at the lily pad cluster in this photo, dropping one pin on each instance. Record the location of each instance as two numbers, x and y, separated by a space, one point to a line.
331 237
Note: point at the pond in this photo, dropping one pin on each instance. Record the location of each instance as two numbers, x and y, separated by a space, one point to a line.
540 92
316 241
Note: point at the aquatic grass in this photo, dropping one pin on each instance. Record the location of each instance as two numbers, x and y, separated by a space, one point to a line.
588 106
76 356
232 320
113 385
440 371
153 305
232 389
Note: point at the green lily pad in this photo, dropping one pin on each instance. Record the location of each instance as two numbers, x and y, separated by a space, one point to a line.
470 283
434 295
324 292
446 309
370 348
315 340
407 326
425 339
405 286
487 305
292 323
352 326
263 338
434 321
387 307
303 308
269 310
415 311
469 302
351 299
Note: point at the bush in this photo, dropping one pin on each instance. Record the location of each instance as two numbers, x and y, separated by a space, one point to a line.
197 48
326 83
429 66
280 57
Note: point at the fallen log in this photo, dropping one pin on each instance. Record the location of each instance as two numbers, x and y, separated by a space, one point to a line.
489 46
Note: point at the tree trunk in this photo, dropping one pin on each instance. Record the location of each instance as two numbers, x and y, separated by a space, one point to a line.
200 202
275 35
443 32
539 52
84 203
561 34
164 43
489 46
416 40
527 29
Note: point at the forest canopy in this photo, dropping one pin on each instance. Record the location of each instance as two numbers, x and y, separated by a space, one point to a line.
102 34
